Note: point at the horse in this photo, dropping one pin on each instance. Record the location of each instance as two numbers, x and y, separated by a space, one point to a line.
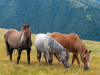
18 40
73 44
46 44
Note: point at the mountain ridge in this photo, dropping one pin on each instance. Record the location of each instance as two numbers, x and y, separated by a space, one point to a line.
64 16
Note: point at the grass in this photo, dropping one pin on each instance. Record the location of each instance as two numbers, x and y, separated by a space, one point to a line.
76 3
35 68
89 17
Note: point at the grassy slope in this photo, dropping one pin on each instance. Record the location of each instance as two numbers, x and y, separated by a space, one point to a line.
43 68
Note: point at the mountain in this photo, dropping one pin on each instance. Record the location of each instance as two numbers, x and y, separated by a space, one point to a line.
98 1
64 16
93 3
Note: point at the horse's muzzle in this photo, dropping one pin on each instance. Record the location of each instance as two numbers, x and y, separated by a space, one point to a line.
86 68
22 41
66 66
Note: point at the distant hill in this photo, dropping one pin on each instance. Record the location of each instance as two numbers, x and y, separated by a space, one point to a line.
98 1
93 3
64 16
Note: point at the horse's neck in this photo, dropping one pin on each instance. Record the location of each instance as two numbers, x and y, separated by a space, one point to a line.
53 44
76 45
20 35
29 33
81 49
27 40
58 47
61 52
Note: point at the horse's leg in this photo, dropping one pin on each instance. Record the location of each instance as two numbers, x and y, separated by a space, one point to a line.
38 55
48 55
19 53
45 57
56 55
10 52
51 58
75 56
28 55
77 59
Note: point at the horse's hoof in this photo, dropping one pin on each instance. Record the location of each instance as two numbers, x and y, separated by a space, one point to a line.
10 60
50 64
16 64
72 64
79 65
58 61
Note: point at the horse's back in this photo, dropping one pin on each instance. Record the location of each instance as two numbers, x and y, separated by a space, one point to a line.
55 35
39 37
39 42
11 32
12 36
61 38
64 39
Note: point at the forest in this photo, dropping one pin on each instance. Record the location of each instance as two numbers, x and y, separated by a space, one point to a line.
64 16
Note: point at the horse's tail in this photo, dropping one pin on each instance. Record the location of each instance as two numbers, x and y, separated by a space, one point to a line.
7 45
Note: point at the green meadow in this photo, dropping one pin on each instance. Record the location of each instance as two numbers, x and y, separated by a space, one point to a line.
35 68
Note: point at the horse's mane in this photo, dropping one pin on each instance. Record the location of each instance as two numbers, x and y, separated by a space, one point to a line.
55 45
77 43
30 32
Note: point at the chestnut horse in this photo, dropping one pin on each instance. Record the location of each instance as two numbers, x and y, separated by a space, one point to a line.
73 43
18 40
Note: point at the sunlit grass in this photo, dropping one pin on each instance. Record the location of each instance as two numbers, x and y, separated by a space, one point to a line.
35 68
77 4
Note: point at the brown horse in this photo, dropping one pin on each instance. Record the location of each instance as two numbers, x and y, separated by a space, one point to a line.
73 43
18 40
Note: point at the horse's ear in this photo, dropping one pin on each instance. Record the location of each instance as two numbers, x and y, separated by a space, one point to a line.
67 50
28 25
85 51
90 51
22 25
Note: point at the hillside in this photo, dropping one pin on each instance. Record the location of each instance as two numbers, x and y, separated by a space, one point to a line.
64 16
93 3
97 0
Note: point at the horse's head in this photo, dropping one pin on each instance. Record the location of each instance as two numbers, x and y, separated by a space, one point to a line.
85 59
25 33
65 58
